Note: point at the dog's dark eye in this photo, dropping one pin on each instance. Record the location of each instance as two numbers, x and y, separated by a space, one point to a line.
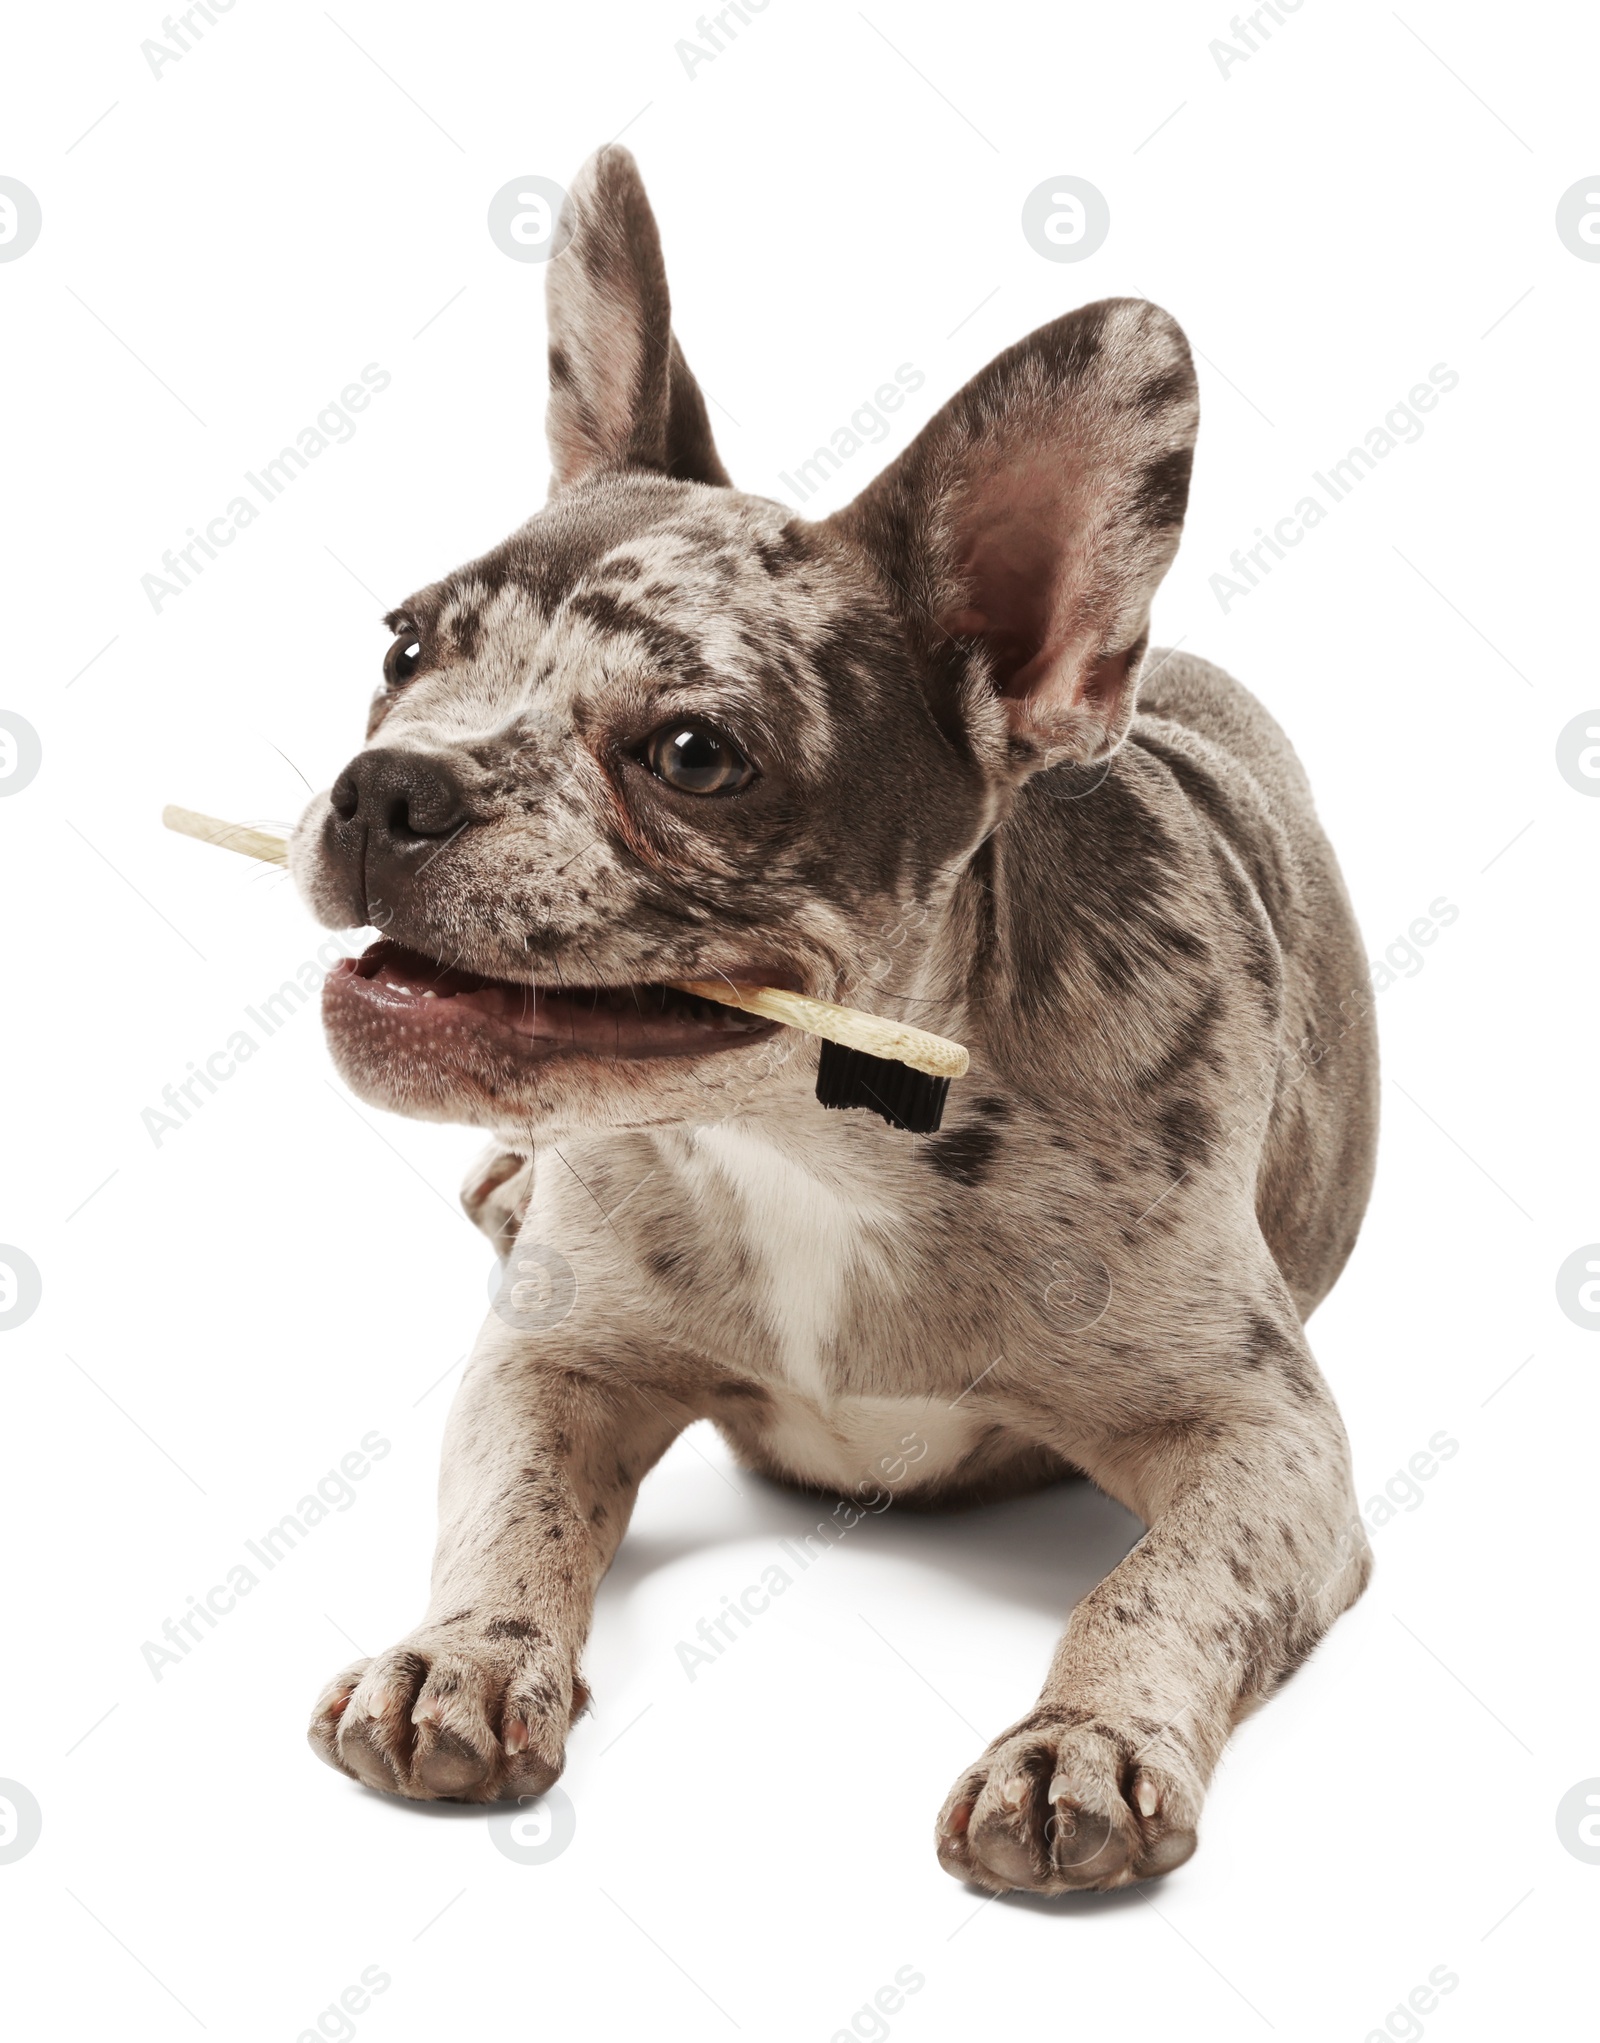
402 659
697 759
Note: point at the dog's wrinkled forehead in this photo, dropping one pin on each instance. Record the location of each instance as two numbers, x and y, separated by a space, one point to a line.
645 586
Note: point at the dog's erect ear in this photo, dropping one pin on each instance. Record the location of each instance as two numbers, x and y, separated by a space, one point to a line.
1036 514
621 395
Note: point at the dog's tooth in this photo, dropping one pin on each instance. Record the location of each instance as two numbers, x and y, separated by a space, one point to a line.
429 994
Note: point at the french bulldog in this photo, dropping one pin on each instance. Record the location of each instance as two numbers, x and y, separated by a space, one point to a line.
916 757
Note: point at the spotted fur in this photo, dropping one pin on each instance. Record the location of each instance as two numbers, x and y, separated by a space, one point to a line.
982 808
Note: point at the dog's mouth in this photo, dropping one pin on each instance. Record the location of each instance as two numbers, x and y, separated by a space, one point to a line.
426 1003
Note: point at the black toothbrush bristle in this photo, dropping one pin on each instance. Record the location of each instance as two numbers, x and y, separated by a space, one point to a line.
906 1099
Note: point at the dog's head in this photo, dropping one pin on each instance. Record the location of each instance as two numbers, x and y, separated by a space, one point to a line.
671 731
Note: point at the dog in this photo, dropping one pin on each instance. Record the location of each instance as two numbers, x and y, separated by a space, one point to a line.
912 756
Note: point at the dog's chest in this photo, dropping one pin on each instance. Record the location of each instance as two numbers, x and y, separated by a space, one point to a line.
812 1246
822 1268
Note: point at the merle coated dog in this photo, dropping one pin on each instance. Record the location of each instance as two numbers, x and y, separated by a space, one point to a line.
913 756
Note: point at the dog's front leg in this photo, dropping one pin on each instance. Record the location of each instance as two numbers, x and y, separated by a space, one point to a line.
1254 1547
543 1457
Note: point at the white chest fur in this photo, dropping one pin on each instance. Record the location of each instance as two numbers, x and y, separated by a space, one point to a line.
817 1244
811 1241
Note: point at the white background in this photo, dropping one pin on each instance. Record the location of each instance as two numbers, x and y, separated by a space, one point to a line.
226 1314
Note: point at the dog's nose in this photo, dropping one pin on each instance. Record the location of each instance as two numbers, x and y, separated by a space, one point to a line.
400 800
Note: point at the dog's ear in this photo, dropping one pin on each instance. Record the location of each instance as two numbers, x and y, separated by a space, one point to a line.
621 395
1035 516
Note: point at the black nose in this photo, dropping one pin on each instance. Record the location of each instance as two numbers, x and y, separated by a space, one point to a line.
399 801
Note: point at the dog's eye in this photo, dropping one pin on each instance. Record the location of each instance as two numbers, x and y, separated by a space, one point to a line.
697 759
402 659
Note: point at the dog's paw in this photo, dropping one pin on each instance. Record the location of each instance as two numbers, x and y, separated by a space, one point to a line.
496 1194
458 1712
1056 1807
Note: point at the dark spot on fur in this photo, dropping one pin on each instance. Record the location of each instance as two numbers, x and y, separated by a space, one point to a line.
778 556
964 1154
1163 489
1188 1130
1156 393
1261 1341
511 1628
1295 1654
466 628
1299 1376
673 650
1264 1344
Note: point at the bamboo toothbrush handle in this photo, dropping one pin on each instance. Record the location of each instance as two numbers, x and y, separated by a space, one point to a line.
878 1037
262 844
873 1033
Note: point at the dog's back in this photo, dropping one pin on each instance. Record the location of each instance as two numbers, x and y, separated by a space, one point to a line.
1237 770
